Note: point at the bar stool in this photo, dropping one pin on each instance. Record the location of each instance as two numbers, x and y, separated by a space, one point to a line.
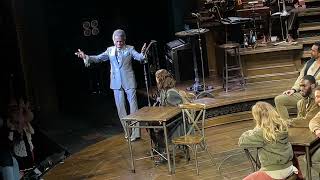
232 70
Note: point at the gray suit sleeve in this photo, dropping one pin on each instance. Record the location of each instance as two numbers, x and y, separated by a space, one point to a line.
97 58
136 56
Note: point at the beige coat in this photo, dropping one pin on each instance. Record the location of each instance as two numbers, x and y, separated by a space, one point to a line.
307 109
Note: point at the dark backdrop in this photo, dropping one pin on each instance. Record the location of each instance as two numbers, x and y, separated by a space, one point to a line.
142 20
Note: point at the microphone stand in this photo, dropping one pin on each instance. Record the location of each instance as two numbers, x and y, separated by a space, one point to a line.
145 70
285 14
203 93
201 55
146 82
280 19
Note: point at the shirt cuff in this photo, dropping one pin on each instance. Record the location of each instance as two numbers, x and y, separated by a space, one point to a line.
86 61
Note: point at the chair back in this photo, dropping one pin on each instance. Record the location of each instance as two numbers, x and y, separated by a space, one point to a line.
193 114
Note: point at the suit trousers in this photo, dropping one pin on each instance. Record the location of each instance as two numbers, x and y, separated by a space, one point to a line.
284 102
119 98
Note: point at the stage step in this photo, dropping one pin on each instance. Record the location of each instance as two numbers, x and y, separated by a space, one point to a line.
271 68
311 1
309 27
306 54
308 40
273 76
310 12
229 118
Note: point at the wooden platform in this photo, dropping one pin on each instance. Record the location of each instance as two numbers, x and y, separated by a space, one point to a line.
228 116
236 101
109 159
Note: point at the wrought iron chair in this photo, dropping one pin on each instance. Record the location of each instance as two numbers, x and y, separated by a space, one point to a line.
193 114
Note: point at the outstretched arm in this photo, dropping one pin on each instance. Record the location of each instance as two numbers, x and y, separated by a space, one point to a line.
80 54
139 56
89 59
83 56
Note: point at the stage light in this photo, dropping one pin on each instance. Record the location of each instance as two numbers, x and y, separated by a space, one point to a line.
90 28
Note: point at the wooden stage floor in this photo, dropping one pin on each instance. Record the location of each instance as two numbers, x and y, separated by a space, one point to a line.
252 92
109 159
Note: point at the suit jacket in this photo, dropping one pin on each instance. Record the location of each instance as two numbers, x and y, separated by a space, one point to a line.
121 72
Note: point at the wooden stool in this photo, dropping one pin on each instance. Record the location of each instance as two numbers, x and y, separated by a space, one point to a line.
232 71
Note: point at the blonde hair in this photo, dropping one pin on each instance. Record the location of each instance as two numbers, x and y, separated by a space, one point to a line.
165 80
268 120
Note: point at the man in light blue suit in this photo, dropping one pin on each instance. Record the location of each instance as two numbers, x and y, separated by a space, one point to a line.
122 78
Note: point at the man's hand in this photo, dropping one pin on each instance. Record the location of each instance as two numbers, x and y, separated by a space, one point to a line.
143 48
80 54
317 132
289 92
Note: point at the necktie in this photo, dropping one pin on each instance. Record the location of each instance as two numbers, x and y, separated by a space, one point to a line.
119 55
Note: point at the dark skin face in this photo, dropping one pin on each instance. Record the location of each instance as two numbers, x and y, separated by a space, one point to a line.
306 88
119 42
317 97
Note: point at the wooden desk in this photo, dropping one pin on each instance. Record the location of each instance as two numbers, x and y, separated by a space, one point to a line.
302 139
164 115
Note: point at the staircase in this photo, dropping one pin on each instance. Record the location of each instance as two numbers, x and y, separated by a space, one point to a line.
309 27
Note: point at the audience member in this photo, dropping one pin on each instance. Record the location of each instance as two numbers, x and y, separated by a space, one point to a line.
314 126
289 98
307 108
270 136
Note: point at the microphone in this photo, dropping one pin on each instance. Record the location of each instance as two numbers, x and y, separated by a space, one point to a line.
197 15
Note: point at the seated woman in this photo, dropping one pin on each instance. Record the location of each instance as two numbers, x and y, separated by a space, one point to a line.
270 136
168 96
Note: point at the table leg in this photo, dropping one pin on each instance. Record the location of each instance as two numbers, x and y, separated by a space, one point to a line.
308 159
167 146
130 148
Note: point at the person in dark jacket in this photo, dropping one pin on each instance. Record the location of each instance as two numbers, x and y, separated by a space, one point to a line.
9 168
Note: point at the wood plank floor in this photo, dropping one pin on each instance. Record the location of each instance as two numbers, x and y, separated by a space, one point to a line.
252 92
109 159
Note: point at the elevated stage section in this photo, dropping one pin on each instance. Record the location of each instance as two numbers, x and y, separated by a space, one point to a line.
268 71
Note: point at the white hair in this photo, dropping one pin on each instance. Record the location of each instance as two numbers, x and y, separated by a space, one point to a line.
119 32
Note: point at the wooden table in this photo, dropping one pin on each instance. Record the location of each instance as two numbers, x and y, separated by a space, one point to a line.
148 115
302 140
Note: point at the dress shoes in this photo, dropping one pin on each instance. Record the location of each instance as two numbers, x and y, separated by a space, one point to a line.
132 139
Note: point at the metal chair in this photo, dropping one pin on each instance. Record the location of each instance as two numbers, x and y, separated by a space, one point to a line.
255 163
194 136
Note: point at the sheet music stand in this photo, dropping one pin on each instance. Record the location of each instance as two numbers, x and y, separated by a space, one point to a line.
191 35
